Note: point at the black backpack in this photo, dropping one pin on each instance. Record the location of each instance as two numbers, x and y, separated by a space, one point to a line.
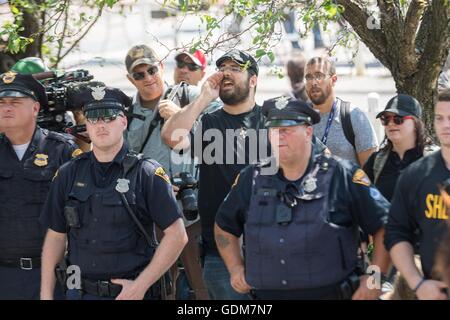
346 121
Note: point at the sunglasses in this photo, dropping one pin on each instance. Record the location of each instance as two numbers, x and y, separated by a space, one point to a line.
152 70
191 66
397 119
106 119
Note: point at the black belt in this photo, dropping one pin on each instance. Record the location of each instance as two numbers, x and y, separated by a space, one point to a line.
111 290
101 288
21 263
340 291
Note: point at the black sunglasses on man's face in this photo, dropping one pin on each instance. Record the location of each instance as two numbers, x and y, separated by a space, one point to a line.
152 70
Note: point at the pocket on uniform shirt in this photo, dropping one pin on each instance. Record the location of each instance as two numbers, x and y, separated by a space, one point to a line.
39 181
5 179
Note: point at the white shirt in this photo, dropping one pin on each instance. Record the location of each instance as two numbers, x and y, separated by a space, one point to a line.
20 149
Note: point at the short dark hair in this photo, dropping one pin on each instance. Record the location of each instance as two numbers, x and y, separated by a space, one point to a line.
331 68
444 95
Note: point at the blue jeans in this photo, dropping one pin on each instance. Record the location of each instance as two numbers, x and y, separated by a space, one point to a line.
217 280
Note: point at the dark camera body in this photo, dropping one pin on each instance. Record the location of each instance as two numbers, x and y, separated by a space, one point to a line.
59 91
187 185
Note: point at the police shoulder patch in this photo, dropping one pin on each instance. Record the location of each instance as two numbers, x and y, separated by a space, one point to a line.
360 177
76 152
162 174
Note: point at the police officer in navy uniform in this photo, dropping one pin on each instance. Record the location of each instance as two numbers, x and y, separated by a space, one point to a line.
300 225
29 158
105 203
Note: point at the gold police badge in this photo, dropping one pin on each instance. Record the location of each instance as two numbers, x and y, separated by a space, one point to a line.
9 77
41 160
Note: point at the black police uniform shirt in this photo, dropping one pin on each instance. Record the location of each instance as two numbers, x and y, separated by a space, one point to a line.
391 171
417 204
356 201
215 179
155 200
24 186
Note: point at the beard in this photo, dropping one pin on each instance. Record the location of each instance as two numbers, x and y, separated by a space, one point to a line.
236 95
318 100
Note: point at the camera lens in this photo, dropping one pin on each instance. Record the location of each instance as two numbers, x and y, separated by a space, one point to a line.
189 202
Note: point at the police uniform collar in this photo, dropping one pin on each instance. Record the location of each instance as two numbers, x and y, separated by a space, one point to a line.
117 159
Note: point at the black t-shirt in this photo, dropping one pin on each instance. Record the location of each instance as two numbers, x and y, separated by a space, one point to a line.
417 203
391 170
354 201
217 174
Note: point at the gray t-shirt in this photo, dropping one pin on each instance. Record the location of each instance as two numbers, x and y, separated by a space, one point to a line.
365 137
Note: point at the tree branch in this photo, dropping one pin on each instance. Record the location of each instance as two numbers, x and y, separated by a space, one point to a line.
356 15
408 52
100 10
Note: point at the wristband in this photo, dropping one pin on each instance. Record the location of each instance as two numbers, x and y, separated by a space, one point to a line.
419 285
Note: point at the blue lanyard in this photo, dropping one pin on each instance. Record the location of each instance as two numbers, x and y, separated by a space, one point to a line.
330 120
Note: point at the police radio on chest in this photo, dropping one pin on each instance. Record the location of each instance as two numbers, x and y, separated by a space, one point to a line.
283 214
72 215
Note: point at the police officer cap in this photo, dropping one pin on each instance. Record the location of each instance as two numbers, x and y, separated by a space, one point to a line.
13 84
403 105
285 111
101 101
240 57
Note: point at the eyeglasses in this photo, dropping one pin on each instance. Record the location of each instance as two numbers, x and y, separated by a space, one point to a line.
317 76
152 70
191 66
106 119
398 120
233 69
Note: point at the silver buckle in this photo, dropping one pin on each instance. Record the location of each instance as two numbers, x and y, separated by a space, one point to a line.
28 265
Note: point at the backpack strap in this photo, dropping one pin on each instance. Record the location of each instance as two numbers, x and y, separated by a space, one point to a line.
378 164
346 121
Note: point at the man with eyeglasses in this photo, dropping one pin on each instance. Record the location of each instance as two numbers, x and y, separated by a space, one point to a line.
29 158
418 205
105 204
235 83
190 67
299 223
344 129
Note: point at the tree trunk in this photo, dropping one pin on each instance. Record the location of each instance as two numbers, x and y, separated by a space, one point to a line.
413 46
32 27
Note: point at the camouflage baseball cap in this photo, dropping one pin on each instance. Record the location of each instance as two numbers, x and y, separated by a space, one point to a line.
140 54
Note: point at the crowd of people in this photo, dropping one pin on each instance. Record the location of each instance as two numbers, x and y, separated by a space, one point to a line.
296 199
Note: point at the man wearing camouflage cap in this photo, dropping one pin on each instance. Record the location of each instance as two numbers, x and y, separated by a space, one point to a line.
299 224
106 203
29 159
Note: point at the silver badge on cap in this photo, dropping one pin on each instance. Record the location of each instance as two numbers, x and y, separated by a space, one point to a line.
281 102
310 184
123 185
98 93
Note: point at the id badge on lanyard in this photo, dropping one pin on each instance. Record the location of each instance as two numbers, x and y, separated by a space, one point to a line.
329 122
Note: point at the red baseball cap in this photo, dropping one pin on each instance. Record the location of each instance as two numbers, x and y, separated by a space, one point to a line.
198 57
